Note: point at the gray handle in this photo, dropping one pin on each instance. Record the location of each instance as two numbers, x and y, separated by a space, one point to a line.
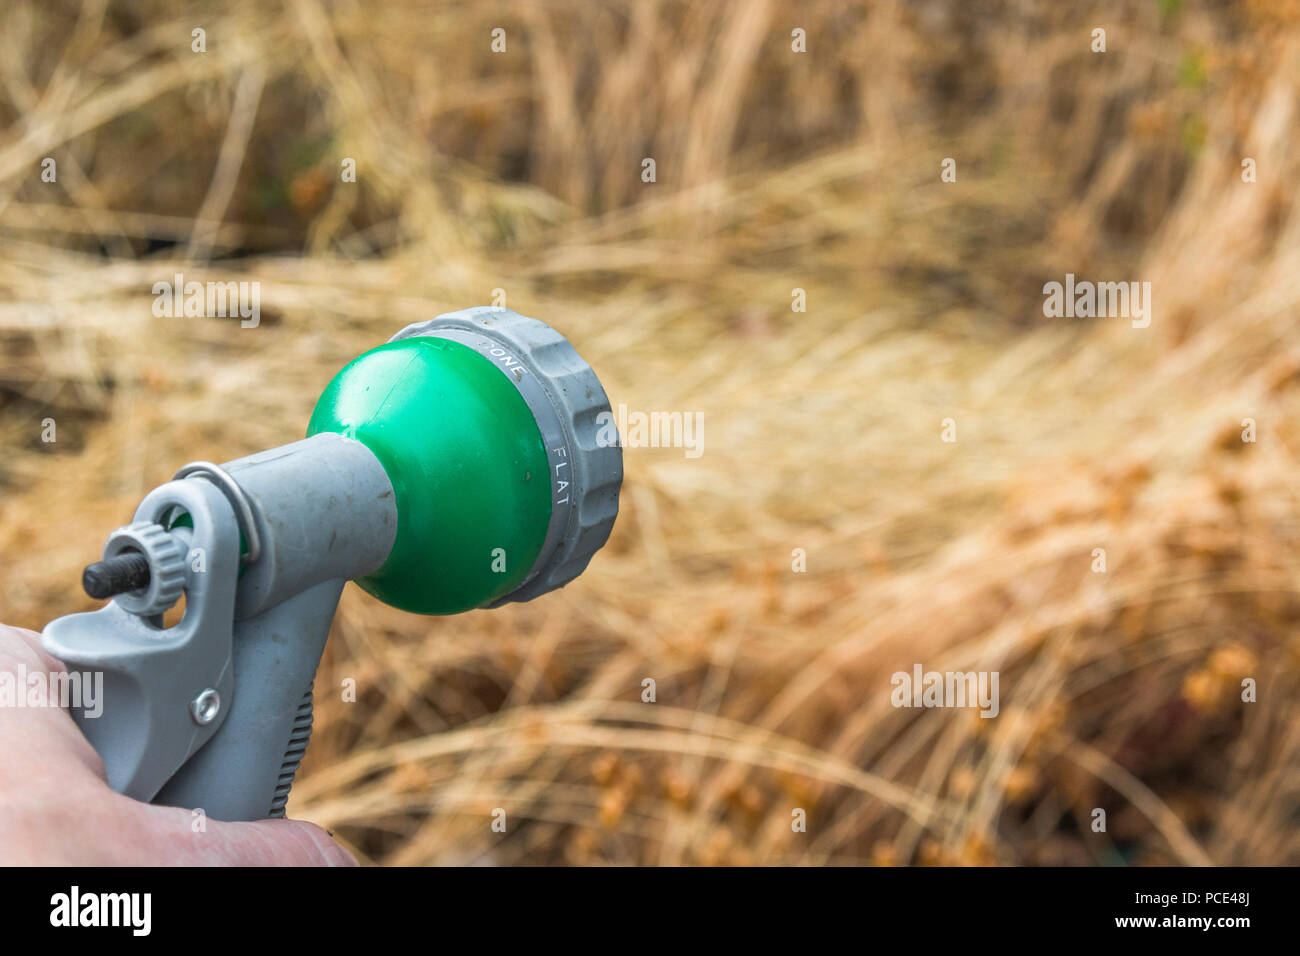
214 712
245 771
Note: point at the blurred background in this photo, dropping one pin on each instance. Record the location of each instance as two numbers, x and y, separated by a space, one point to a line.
776 171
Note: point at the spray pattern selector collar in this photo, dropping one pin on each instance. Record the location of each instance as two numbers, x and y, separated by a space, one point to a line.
566 399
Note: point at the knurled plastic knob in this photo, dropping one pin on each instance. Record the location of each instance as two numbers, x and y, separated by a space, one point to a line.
166 566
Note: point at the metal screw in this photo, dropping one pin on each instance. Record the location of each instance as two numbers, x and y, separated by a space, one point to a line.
205 707
128 571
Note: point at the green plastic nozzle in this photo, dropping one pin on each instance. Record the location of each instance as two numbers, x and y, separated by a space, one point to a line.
485 422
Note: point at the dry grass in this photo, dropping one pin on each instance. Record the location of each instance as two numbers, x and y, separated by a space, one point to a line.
775 171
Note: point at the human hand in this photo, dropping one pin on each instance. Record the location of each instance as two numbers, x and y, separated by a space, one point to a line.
56 807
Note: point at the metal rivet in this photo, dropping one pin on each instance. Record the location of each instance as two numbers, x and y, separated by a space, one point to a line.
205 707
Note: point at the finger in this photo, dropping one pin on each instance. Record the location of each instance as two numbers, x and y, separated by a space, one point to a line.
280 843
176 836
36 734
32 641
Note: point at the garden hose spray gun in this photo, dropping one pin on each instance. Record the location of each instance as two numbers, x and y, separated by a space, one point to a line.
459 465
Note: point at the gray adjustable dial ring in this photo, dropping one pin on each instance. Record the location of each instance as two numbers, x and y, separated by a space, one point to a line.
567 402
